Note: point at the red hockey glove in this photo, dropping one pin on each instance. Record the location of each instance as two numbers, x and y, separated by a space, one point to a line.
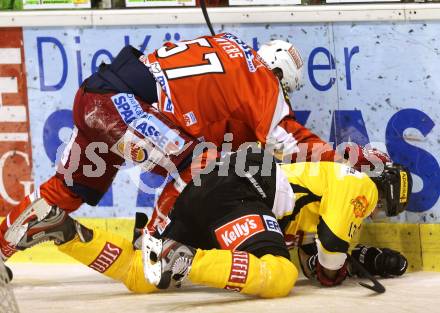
317 271
325 281
360 157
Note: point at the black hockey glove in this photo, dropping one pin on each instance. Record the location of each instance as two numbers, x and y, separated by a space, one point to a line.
383 262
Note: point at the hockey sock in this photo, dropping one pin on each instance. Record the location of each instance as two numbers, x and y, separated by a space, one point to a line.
111 255
269 276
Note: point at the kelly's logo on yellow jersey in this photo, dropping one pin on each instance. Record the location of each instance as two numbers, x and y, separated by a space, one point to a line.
360 205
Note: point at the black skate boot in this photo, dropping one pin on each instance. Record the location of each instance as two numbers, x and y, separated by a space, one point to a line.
44 223
37 223
165 260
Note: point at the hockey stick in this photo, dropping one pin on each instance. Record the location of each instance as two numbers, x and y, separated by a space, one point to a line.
206 16
377 287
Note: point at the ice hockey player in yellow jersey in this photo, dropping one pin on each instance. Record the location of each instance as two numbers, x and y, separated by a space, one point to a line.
233 228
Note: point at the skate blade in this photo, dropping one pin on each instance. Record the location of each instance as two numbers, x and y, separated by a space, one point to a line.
152 270
18 229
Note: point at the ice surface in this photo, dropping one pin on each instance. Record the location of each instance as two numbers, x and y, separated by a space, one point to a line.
78 289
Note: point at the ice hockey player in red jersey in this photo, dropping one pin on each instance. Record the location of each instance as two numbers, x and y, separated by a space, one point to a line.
153 110
161 111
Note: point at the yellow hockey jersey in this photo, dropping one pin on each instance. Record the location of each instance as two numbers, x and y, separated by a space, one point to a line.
332 199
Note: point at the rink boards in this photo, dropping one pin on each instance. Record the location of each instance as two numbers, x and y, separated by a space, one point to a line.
418 242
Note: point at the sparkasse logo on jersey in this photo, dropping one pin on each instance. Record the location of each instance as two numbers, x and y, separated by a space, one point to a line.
161 135
232 234
128 107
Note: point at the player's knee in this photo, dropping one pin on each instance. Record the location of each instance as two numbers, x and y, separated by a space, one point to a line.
280 278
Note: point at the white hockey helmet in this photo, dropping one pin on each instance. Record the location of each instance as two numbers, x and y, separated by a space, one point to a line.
283 55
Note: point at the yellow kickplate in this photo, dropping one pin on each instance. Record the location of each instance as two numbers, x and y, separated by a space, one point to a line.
430 235
404 238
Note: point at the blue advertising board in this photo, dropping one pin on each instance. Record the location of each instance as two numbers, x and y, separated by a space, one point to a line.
374 83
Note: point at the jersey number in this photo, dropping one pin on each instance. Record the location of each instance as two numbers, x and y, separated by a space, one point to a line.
353 228
213 64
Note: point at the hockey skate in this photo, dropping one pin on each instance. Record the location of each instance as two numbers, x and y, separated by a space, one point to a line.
41 222
165 260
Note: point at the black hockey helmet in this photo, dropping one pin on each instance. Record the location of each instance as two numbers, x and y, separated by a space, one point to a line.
394 185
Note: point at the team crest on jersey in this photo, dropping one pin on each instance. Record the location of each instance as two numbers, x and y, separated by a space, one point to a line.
360 205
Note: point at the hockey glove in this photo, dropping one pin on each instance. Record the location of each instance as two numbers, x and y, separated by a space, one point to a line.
360 157
317 271
383 262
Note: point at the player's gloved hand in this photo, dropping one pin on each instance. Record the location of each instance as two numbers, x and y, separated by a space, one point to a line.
361 158
281 142
383 262
316 270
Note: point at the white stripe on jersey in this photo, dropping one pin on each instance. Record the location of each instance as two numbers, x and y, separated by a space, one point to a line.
66 152
330 260
284 197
